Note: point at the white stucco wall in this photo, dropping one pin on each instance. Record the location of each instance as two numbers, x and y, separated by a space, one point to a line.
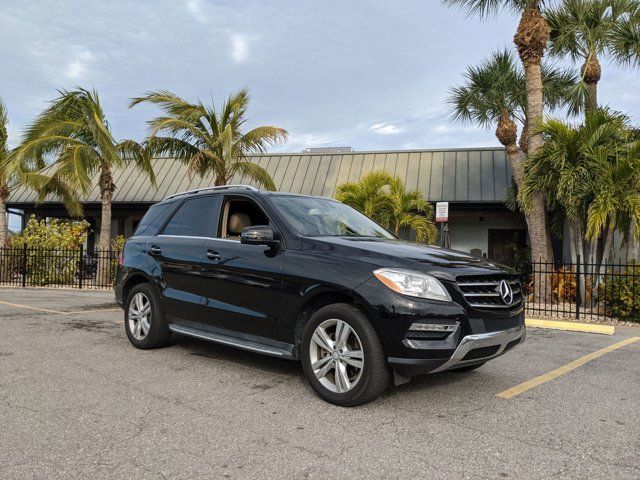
470 229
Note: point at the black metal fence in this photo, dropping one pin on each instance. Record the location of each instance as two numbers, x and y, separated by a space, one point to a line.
76 268
577 290
582 290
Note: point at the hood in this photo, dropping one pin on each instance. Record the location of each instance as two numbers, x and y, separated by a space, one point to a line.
441 262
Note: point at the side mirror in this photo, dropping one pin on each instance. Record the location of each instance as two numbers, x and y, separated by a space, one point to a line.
259 235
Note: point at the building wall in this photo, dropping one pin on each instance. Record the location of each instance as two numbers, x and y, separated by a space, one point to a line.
470 229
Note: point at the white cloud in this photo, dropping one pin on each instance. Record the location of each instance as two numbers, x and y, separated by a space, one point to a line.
77 68
299 141
194 7
386 129
239 48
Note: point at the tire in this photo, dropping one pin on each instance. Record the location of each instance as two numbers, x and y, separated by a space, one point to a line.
362 385
468 368
157 332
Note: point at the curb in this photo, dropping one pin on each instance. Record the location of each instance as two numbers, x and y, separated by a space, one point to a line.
570 326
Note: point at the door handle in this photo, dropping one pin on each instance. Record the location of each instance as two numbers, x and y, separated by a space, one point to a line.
213 255
155 250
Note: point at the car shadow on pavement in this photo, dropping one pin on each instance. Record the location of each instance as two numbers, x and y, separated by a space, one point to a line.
279 366
214 351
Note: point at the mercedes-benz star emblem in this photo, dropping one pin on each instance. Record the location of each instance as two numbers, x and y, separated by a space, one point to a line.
505 292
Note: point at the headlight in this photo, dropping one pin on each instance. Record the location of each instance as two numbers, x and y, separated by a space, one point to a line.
414 284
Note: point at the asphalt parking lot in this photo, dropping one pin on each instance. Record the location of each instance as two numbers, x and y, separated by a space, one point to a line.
77 401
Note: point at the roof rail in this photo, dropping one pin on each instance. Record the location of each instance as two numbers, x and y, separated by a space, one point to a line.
206 189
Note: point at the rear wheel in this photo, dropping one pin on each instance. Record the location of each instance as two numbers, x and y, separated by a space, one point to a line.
342 357
144 320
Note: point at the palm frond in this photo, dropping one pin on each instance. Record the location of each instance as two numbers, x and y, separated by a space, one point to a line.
255 172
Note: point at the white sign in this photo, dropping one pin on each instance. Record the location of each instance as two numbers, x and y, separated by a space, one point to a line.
442 212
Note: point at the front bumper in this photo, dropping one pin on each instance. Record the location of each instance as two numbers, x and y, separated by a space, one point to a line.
472 349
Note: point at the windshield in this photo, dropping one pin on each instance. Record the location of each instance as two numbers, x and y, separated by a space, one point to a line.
322 217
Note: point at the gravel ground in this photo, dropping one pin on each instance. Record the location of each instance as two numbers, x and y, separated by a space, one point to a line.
78 402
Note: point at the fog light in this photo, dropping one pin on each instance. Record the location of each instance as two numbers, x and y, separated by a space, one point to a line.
432 327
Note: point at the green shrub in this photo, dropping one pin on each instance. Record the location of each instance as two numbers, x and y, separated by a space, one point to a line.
622 293
53 251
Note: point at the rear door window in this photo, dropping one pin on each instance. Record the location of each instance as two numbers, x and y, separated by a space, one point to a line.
154 219
196 217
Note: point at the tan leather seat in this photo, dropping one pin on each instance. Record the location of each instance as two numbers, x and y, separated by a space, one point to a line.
237 222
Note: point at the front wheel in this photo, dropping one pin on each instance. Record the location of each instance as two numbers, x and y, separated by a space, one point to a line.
342 356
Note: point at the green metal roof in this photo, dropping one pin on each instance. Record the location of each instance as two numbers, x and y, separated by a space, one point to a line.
463 175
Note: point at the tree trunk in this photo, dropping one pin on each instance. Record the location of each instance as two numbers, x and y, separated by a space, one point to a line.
632 248
531 40
4 195
104 241
591 73
591 99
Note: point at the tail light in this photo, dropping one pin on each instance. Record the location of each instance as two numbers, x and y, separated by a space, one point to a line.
120 259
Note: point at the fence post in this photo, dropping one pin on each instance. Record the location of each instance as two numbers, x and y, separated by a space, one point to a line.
578 288
81 266
24 265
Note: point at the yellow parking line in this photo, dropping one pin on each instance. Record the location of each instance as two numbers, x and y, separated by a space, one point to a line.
547 377
46 310
95 310
59 312
570 326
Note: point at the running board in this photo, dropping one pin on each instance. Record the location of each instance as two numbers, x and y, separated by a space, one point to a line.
232 341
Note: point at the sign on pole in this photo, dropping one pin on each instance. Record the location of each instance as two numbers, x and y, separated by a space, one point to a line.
442 212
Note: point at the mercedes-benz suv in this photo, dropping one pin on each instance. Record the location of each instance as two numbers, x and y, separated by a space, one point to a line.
311 279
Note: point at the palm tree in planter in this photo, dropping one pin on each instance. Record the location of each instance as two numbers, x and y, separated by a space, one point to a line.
72 142
585 30
210 142
531 40
385 199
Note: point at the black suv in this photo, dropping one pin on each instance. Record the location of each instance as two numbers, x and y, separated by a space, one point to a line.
311 279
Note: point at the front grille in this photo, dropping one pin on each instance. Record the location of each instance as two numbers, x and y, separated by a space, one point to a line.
483 292
481 352
499 324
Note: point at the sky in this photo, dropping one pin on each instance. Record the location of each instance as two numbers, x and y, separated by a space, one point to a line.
365 74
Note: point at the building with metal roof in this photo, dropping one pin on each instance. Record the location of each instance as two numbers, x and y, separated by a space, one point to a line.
474 181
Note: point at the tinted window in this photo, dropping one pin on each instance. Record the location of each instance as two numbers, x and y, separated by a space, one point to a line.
154 219
197 217
316 216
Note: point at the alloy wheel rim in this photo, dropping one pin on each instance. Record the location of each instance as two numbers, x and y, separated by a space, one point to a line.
336 355
139 316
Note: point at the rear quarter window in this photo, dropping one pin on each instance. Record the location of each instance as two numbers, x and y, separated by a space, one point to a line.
154 219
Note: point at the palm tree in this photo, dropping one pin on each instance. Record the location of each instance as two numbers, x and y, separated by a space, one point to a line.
410 209
67 145
625 45
4 173
494 94
368 195
591 171
384 199
208 141
584 30
531 40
